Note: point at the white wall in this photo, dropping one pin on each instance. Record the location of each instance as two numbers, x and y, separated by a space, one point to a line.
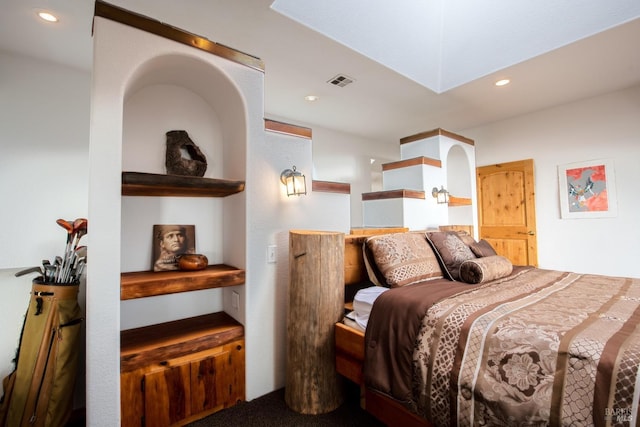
604 127
342 157
44 117
44 146
271 214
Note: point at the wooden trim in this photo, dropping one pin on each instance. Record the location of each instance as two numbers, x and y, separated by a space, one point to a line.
436 132
393 194
370 231
412 162
331 187
286 128
459 201
123 16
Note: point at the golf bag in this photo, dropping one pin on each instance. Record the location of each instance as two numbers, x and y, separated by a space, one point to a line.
39 392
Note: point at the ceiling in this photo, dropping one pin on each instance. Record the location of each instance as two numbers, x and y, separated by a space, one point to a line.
442 77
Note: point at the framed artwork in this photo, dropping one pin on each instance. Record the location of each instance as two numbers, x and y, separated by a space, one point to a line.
587 189
169 242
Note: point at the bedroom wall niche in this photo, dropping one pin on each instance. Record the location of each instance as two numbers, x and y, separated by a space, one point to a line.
165 96
143 86
436 158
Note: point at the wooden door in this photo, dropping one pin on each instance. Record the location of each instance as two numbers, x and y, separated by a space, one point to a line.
506 210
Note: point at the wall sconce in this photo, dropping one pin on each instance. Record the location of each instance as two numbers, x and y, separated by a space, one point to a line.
294 181
441 195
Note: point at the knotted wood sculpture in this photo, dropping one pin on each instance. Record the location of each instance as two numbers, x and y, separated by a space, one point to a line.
183 155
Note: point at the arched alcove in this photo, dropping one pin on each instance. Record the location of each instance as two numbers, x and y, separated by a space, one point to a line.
460 186
196 94
179 92
458 173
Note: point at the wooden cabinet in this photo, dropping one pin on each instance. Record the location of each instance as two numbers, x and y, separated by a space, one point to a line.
174 373
178 372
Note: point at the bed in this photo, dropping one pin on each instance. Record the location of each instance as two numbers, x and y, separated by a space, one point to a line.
514 346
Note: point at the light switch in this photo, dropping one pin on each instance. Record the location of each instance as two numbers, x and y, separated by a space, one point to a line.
271 254
235 300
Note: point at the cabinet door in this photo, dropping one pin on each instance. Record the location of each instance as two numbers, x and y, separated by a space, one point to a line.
131 398
167 395
205 386
233 377
217 381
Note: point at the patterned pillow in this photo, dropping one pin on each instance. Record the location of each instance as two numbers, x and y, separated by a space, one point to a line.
375 276
482 249
403 258
482 270
451 250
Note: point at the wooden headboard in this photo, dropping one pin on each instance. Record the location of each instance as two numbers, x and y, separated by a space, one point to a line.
355 271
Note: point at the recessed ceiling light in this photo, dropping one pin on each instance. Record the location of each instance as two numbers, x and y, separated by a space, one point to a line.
311 98
503 82
47 16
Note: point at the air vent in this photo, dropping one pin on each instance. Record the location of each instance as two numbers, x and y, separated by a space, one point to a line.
341 80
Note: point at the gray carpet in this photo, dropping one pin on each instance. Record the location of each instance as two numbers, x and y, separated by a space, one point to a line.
271 410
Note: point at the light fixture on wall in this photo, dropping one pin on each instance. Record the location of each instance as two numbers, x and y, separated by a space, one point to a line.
441 195
294 181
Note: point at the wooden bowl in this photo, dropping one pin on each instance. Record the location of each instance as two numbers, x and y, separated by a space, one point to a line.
192 262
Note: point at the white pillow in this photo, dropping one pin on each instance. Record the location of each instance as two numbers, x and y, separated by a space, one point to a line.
363 301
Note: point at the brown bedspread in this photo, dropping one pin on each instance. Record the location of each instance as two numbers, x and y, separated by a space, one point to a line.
541 347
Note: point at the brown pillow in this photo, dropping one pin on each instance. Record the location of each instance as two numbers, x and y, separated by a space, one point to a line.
482 249
466 237
451 250
482 270
403 259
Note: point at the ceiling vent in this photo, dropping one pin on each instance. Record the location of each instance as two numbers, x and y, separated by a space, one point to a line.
341 80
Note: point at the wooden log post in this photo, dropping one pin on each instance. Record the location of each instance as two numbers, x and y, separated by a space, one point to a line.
316 303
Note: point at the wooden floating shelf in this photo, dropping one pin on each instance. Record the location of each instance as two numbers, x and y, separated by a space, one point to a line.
141 284
423 161
150 184
331 187
459 201
393 194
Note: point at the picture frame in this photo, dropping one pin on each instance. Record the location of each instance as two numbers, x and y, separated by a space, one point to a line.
587 189
169 242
